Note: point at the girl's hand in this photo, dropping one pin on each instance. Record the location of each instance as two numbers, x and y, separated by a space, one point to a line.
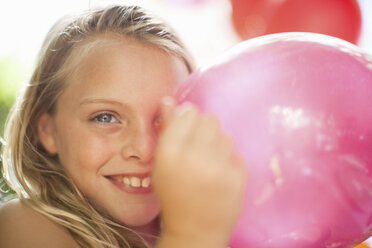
198 179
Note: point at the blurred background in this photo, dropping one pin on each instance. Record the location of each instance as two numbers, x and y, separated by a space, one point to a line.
208 27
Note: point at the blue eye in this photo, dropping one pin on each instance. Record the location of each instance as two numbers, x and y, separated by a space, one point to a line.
105 118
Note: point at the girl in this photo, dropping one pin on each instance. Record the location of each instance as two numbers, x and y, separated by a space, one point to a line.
98 150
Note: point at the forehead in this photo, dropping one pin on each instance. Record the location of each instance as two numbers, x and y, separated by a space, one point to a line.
125 68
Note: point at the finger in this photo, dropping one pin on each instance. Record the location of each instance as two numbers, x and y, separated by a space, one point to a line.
168 104
180 125
224 147
207 131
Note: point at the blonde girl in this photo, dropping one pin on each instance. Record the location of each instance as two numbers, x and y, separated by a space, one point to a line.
102 158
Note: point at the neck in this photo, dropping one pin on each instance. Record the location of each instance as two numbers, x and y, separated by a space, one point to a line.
149 232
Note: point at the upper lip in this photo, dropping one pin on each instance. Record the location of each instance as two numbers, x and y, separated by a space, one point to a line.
130 174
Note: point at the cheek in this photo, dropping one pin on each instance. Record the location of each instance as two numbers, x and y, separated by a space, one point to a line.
94 152
82 153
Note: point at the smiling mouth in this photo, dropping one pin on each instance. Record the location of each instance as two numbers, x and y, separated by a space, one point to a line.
136 182
131 183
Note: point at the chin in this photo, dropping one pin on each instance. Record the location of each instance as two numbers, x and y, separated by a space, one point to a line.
139 217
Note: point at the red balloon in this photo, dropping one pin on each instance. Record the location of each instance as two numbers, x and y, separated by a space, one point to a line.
299 108
338 18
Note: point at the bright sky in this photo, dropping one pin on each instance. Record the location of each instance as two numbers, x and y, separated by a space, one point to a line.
24 23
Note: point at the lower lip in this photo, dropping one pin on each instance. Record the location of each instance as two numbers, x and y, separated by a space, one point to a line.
129 189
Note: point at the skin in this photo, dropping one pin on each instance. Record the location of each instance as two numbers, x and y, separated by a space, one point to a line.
105 125
113 120
205 179
18 220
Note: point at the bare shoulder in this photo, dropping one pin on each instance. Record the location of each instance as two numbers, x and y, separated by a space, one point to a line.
23 227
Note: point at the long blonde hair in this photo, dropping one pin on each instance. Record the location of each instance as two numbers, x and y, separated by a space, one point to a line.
44 185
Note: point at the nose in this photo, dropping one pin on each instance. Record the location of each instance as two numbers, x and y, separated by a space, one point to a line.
140 145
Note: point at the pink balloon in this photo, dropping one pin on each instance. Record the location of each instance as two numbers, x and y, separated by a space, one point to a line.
299 107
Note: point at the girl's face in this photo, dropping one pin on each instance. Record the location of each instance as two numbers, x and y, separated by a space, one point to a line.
106 123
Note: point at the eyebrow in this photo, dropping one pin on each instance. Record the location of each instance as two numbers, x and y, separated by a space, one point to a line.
101 100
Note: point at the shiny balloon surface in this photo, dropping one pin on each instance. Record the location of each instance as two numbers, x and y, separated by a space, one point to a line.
299 108
338 18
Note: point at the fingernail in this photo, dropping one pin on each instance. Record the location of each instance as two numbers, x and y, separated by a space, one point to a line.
167 100
184 108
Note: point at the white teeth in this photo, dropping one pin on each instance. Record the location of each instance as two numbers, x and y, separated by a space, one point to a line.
146 182
126 181
137 182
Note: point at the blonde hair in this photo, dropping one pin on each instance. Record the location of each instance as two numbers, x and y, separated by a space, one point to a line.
44 185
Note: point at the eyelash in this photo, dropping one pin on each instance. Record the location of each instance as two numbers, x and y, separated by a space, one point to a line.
97 117
158 122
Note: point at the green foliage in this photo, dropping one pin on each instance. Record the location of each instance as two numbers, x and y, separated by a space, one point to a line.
12 73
